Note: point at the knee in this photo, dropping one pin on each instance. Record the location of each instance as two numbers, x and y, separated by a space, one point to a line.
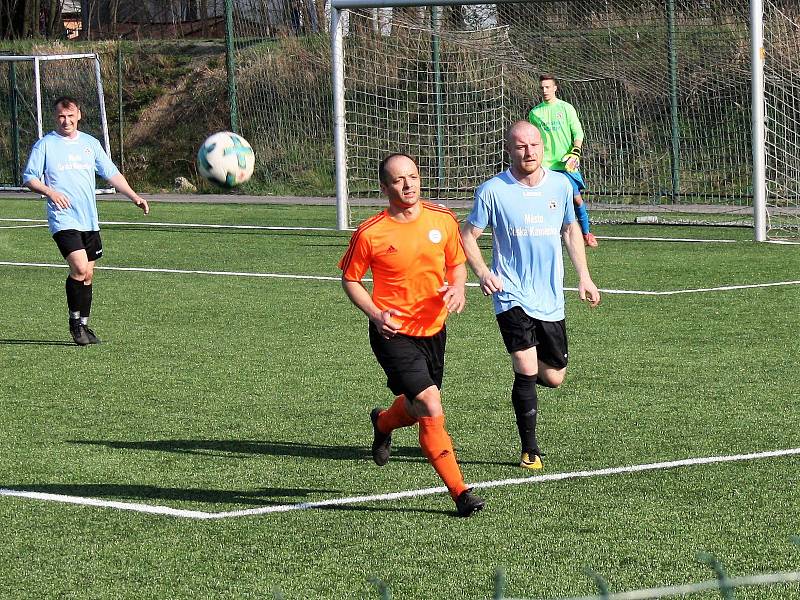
81 273
551 380
428 403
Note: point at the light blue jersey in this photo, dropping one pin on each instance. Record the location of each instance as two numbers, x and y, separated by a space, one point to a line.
526 225
69 165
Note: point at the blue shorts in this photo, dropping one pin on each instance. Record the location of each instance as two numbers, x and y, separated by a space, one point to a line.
576 179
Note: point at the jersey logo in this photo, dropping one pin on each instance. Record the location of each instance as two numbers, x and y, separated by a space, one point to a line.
391 250
435 236
553 205
87 151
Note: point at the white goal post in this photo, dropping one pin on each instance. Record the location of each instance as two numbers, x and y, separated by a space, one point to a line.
685 106
30 84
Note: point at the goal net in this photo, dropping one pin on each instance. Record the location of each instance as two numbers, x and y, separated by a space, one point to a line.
782 117
28 87
663 90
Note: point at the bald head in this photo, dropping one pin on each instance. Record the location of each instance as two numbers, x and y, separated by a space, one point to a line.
520 129
524 147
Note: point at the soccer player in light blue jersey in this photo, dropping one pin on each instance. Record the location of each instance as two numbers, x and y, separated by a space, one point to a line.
62 167
530 212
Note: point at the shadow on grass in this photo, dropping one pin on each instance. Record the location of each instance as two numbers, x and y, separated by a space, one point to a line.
244 448
37 343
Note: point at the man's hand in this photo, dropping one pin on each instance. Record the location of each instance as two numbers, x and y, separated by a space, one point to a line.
588 292
59 199
141 203
387 326
572 159
490 283
454 298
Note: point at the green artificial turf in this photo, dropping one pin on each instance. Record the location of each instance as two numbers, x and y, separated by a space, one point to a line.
218 393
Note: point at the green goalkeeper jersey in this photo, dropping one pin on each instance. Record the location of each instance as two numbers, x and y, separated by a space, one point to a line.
560 127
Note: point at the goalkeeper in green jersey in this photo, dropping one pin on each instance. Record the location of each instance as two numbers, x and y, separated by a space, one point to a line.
562 135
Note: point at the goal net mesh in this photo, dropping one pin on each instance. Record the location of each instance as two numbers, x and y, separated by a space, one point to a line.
73 77
663 96
782 112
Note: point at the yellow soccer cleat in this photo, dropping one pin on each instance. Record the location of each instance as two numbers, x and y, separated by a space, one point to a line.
531 461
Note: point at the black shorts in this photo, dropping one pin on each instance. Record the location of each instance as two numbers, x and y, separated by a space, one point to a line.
521 332
411 364
69 240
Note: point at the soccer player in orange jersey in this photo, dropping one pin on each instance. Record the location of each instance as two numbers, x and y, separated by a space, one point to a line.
414 251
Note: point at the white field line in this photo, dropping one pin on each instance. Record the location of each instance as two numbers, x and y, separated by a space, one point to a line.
350 229
195 514
274 228
693 588
195 225
662 239
21 226
725 288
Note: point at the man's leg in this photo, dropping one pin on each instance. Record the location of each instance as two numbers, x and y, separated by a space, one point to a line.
438 449
525 401
396 416
386 421
79 269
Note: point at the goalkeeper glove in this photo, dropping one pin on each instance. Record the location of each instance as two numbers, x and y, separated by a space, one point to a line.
572 159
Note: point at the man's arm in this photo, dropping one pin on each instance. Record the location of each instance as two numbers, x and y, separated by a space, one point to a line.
573 240
454 297
382 319
56 197
122 186
572 159
489 282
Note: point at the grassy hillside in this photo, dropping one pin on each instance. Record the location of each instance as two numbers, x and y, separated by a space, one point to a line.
173 95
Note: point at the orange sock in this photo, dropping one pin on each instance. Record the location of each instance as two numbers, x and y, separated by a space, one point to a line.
395 417
438 448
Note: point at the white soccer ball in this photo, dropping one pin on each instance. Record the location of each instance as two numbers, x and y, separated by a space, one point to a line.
226 159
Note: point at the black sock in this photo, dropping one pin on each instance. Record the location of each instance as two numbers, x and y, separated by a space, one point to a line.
74 293
526 404
86 302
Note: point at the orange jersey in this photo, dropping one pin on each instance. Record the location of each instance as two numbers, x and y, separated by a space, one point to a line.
408 263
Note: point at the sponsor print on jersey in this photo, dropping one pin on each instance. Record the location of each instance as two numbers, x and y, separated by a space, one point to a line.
533 231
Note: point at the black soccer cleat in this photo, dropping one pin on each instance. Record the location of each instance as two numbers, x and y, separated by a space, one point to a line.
382 442
93 339
78 331
468 503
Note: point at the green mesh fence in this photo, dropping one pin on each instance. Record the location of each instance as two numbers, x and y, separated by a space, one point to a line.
283 84
662 89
